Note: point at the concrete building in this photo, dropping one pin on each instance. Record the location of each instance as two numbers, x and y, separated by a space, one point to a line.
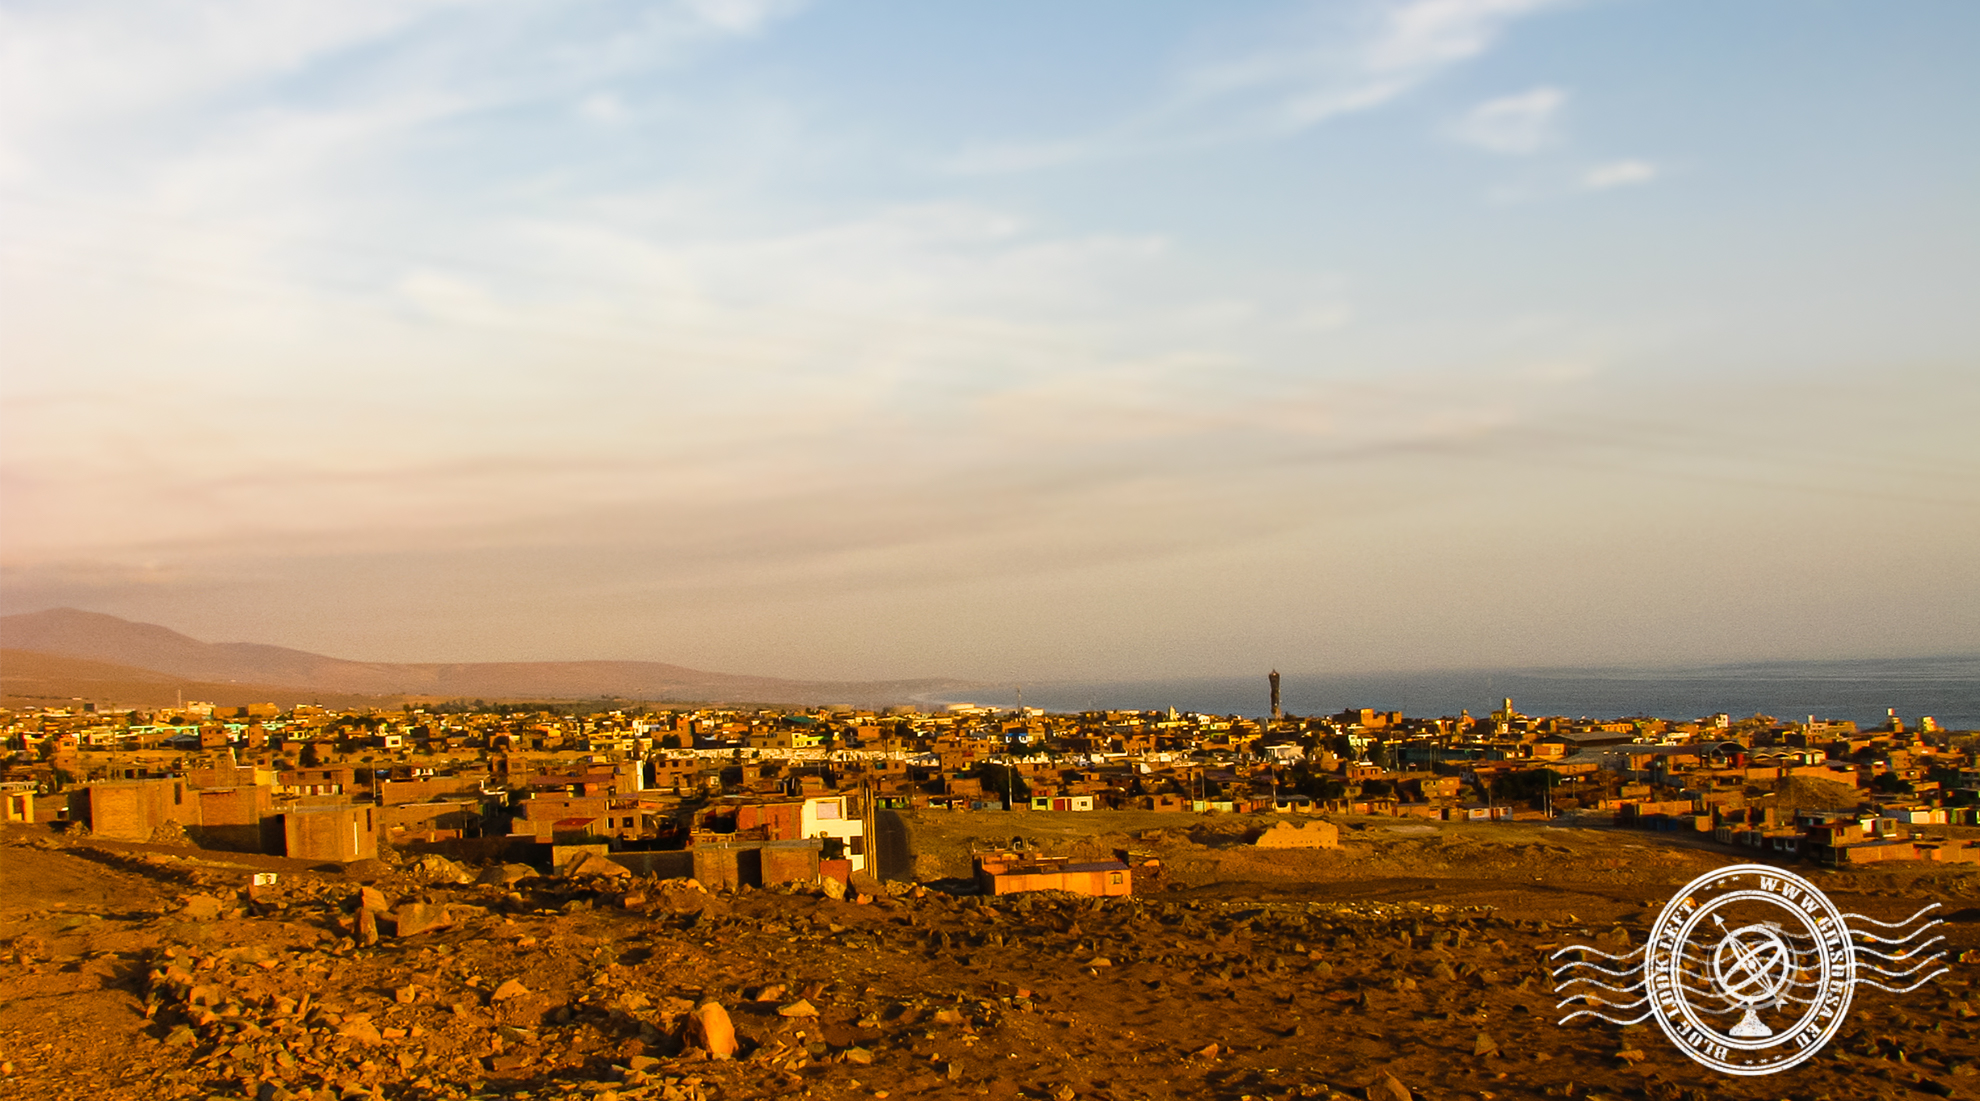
1001 872
335 833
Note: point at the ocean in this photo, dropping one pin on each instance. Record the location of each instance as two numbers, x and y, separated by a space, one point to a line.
1946 688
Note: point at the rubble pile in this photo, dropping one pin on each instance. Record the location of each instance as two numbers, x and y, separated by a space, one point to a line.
433 981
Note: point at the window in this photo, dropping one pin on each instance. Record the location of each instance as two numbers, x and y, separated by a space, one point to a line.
827 810
1117 879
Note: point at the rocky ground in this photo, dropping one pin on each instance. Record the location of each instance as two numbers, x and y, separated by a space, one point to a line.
1412 959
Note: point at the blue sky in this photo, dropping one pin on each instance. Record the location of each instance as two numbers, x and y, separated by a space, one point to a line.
1017 340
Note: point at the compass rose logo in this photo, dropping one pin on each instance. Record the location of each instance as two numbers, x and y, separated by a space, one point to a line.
1752 965
1749 969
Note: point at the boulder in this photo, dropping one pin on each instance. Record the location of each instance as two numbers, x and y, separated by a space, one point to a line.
1386 1088
504 875
508 990
834 890
202 908
414 918
864 883
593 864
439 869
709 1026
682 897
799 1008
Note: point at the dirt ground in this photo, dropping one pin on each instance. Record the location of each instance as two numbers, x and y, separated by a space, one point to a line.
1417 950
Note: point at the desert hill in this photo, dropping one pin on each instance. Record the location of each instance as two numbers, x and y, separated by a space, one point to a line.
148 654
31 679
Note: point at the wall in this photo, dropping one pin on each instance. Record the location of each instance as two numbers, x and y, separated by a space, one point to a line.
340 834
131 810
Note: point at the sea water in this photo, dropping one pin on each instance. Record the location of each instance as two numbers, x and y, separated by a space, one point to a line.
1946 688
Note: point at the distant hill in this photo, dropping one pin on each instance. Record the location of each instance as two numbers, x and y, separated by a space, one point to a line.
146 648
31 679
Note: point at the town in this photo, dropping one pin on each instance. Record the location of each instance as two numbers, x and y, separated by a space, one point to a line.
733 796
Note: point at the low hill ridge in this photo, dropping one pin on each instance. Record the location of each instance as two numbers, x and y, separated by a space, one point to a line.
148 647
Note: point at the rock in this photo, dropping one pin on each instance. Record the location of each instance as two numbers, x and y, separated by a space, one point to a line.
1209 1052
711 1028
948 1017
414 918
508 990
593 864
202 908
857 1055
371 898
439 869
506 875
864 883
683 897
169 832
360 1029
1484 1045
772 992
799 1008
834 890
1064 1093
406 995
366 933
1386 1088
366 870
1099 961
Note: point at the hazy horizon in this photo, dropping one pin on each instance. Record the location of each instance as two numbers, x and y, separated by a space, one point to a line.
845 341
1293 674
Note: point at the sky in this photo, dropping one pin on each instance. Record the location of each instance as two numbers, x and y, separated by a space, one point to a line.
1119 339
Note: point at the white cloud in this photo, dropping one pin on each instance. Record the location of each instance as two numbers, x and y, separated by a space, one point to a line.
1618 174
103 72
742 16
1430 34
1341 61
1514 124
602 108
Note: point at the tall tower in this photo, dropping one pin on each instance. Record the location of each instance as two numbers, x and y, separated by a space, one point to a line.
1274 678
